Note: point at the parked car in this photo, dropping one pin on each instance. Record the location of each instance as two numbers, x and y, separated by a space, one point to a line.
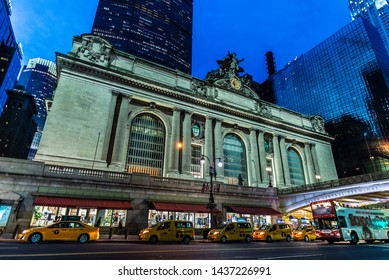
304 232
231 231
63 230
273 232
182 231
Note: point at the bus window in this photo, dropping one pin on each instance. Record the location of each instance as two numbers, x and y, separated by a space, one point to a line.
342 221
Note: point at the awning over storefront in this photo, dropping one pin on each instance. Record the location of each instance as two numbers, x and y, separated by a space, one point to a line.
81 202
254 210
181 207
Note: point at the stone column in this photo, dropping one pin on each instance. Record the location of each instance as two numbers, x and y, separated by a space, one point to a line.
285 163
315 161
175 138
219 149
186 143
262 158
310 168
208 149
278 174
255 174
120 146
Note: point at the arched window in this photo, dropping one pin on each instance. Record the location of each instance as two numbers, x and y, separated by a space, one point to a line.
146 145
235 162
295 168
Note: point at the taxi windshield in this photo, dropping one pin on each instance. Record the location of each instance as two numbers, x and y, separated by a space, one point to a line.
221 226
265 227
301 227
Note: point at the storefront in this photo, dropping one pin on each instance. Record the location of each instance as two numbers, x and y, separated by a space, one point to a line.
257 216
199 214
48 209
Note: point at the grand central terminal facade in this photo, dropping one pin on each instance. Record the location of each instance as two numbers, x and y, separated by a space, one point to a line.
130 141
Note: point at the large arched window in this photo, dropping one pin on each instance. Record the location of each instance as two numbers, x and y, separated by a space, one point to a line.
146 145
235 162
296 169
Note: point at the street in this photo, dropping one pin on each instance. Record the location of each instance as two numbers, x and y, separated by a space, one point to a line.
198 250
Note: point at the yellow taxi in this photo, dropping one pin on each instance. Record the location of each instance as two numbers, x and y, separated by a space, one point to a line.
181 231
64 230
231 231
304 232
273 232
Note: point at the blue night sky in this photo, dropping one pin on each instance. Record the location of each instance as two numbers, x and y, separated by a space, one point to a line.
250 28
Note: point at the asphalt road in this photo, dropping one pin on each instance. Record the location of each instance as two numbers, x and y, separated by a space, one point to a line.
199 250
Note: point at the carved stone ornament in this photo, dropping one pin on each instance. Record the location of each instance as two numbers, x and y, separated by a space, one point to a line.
94 49
318 124
262 109
198 88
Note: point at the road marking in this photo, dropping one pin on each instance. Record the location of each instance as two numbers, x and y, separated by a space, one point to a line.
8 248
294 256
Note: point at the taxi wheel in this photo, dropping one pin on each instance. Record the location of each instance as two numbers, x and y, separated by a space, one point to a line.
306 238
153 239
186 240
35 238
288 238
223 239
269 239
83 238
248 238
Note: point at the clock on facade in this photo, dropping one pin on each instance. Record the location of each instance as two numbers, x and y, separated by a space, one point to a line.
235 83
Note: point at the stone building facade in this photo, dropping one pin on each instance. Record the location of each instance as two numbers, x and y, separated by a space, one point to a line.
114 113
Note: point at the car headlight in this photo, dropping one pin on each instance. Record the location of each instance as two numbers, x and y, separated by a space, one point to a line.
216 233
145 231
261 233
300 233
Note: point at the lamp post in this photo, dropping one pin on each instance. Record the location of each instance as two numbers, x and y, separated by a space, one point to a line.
268 169
212 173
368 149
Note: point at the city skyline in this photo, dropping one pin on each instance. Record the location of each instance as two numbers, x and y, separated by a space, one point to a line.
288 29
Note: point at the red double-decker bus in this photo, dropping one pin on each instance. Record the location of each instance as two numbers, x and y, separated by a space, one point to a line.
335 223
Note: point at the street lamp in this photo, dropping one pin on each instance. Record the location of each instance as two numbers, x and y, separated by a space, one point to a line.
212 173
318 177
268 169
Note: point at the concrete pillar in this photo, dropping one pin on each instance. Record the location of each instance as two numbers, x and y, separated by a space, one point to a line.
264 178
279 175
285 163
175 138
255 174
208 149
219 149
120 146
310 168
186 143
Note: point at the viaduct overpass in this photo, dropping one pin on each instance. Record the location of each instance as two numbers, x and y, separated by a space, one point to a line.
354 191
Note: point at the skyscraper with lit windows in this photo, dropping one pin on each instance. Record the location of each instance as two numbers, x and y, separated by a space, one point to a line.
156 30
10 53
374 11
38 78
345 80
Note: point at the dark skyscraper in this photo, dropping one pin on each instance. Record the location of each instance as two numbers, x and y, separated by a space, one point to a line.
10 54
345 80
156 30
17 126
38 78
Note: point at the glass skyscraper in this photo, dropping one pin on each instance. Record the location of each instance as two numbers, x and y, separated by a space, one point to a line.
156 30
345 80
374 11
38 78
10 53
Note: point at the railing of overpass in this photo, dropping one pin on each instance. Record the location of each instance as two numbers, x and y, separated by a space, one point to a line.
371 177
